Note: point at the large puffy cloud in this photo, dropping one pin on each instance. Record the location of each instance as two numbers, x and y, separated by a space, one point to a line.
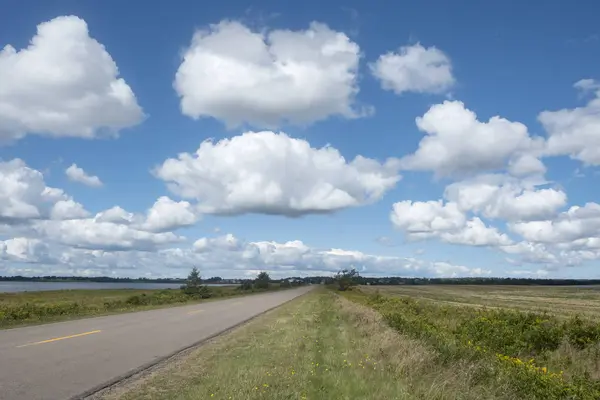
24 196
269 173
457 143
237 75
502 197
414 69
91 234
167 214
427 217
578 224
64 84
575 132
77 174
26 250
422 220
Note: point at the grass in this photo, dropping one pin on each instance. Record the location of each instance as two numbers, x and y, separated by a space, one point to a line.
364 345
563 301
27 308
308 349
530 354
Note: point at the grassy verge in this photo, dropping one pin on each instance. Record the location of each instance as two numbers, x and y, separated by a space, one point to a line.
513 353
27 308
320 346
307 349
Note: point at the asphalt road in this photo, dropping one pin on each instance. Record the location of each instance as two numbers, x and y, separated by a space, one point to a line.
63 360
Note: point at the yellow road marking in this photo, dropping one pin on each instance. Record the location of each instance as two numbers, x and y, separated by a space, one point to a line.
195 312
60 338
237 303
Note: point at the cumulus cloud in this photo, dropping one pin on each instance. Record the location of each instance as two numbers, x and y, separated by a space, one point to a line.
502 197
24 196
414 69
267 77
574 225
76 174
294 258
270 173
423 220
64 84
226 256
457 143
575 132
91 234
429 217
476 233
26 250
167 214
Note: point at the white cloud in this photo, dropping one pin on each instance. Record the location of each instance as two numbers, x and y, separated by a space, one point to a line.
476 233
575 132
225 256
423 220
116 215
167 214
232 256
24 196
457 143
414 69
572 225
429 217
24 250
91 234
68 209
453 271
587 85
264 78
269 173
502 197
76 174
64 84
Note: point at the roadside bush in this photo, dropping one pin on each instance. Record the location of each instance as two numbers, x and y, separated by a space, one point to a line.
582 334
513 332
262 281
246 285
507 345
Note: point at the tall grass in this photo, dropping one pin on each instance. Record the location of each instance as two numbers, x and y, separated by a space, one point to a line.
539 356
37 307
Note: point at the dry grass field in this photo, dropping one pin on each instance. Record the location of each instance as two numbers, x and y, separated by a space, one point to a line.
559 300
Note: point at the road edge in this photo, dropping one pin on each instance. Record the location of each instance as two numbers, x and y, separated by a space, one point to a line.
88 394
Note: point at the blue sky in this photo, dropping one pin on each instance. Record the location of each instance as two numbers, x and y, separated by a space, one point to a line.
486 113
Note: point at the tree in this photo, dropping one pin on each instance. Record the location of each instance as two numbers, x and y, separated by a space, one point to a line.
262 280
246 285
193 285
346 278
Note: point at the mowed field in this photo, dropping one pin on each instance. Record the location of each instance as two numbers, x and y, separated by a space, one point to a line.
401 342
558 300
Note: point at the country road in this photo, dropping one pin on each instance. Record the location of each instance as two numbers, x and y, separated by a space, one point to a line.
63 360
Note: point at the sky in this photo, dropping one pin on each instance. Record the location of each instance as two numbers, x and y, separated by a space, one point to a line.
428 139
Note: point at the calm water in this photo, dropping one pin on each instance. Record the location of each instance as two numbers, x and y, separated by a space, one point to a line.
12 287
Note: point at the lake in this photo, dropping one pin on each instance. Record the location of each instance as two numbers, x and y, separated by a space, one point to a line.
16 286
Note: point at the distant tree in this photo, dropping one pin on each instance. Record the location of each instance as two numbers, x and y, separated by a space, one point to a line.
262 280
346 278
193 285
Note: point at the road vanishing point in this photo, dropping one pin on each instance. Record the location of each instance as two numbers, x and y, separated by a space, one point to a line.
68 360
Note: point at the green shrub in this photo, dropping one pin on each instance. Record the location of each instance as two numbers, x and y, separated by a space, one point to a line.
581 334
